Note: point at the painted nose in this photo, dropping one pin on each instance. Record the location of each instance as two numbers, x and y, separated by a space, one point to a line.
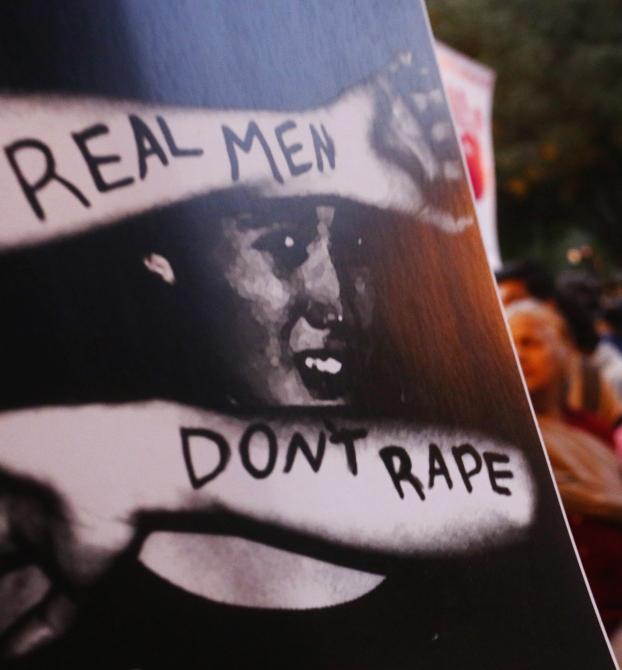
322 290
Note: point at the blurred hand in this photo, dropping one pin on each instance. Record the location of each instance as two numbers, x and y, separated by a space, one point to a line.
47 557
33 609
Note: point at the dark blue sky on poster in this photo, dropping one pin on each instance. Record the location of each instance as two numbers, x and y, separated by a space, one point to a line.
281 55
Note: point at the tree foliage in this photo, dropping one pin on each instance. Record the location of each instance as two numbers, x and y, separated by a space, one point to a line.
557 115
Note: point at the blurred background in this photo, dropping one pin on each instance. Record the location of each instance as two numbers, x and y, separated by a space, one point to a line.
557 123
554 234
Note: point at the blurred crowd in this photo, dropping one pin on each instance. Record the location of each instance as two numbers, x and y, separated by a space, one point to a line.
567 330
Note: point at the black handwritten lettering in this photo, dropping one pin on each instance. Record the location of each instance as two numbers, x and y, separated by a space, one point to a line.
459 454
224 453
176 151
245 445
325 145
298 443
252 132
490 458
146 144
437 466
402 472
259 441
93 162
291 149
49 174
347 437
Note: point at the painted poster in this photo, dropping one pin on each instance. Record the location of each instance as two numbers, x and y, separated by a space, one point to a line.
259 406
469 86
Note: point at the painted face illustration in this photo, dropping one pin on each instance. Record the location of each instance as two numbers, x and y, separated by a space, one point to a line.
303 296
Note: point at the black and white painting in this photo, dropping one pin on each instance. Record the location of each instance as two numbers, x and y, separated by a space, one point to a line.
260 408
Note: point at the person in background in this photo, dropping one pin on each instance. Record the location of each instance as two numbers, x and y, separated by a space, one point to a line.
518 280
585 469
595 376
608 354
611 319
588 386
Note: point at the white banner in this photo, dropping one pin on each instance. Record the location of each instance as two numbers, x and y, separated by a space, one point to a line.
469 86
72 163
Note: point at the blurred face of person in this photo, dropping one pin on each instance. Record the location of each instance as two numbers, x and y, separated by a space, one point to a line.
512 290
297 309
538 352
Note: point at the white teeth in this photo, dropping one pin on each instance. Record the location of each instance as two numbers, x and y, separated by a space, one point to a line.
330 365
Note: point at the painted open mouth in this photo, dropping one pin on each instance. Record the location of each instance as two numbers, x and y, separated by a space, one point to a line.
322 372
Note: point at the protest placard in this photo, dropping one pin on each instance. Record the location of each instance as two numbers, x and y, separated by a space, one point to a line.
260 407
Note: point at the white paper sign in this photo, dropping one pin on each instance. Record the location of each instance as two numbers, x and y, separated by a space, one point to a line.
469 86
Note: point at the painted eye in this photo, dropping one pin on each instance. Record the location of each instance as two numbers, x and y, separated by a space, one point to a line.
351 246
288 250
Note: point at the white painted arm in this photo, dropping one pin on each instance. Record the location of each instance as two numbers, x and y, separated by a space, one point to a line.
110 463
